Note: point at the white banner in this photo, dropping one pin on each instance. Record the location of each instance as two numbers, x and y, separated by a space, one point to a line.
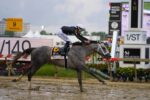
12 45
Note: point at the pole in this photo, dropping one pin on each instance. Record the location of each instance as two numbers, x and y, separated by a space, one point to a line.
135 71
113 49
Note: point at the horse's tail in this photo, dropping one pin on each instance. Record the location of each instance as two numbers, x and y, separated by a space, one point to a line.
20 54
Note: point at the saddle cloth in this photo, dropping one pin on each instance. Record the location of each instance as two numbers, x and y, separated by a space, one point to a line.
57 53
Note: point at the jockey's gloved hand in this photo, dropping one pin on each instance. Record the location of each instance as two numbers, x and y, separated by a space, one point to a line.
79 29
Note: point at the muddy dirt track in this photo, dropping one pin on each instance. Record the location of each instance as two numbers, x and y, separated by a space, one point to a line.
65 89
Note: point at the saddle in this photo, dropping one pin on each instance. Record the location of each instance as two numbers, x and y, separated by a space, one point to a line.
59 53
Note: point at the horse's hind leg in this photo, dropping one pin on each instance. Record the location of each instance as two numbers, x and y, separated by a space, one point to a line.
31 72
79 74
20 77
29 80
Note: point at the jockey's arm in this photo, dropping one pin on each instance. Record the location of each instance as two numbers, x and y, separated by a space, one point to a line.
75 31
82 38
63 36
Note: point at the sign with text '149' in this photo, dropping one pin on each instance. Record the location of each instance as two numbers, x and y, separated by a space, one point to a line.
14 24
12 45
135 37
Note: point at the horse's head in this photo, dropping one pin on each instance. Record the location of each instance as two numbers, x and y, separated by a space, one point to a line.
101 49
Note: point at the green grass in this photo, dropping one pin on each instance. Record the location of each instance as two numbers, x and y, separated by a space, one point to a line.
46 70
147 5
50 70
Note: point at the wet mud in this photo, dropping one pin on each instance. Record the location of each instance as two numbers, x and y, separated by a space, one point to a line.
68 89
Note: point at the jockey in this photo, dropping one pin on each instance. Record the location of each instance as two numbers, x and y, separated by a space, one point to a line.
66 39
69 30
75 30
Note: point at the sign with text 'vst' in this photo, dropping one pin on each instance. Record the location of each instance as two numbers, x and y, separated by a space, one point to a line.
135 37
14 24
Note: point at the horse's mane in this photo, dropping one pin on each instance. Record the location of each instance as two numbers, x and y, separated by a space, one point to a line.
93 41
77 43
81 43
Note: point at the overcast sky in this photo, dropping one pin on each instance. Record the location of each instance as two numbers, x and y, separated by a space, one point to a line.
92 14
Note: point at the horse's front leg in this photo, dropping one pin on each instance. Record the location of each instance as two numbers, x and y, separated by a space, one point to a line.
93 74
79 75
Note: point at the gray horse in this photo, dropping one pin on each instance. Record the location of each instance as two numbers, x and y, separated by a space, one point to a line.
76 59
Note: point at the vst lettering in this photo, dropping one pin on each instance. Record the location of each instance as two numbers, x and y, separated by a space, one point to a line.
133 37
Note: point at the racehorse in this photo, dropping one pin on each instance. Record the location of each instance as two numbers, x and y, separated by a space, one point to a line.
76 59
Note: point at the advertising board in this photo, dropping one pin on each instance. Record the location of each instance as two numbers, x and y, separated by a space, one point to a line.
14 24
115 18
131 53
14 45
135 37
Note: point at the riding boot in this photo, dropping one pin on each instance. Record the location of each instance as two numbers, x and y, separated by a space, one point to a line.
65 62
66 49
66 46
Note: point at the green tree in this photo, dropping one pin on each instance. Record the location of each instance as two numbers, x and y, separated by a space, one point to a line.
101 34
43 32
50 33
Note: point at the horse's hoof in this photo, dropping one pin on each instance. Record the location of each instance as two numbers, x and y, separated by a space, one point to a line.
82 90
14 80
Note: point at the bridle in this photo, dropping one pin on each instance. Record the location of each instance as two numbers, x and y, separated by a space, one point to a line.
101 47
